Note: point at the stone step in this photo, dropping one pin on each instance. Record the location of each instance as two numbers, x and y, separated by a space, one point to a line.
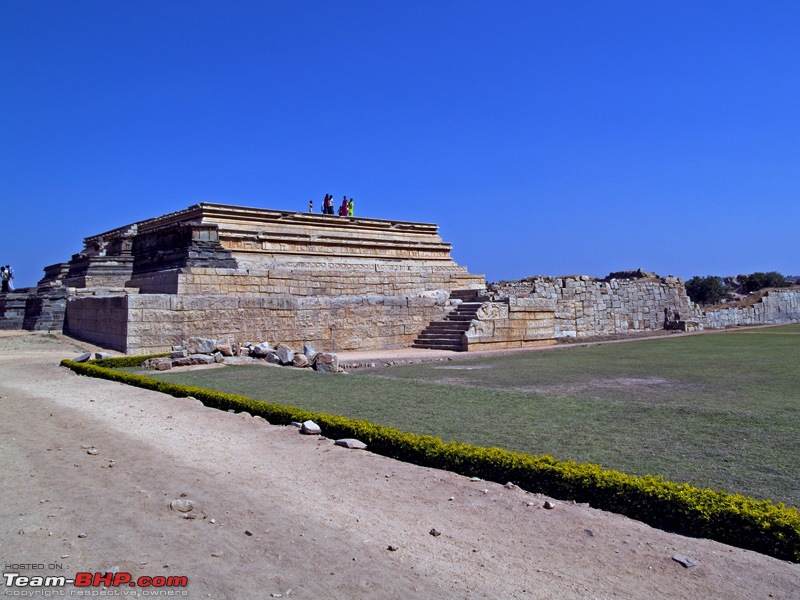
465 294
438 335
438 346
460 325
443 332
448 333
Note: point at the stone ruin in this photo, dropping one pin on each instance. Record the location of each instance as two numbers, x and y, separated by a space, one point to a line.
205 351
219 271
338 283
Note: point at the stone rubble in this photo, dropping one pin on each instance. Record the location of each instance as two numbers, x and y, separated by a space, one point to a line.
227 351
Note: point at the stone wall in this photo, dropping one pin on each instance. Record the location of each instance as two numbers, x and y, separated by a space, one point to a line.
775 307
151 323
101 320
332 279
45 309
32 309
512 323
12 309
586 307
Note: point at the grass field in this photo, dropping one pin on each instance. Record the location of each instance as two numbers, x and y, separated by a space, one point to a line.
719 411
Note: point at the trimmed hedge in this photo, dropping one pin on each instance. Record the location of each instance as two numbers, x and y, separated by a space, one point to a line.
118 362
763 526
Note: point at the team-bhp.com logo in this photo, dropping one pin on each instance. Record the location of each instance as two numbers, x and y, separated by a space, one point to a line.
96 580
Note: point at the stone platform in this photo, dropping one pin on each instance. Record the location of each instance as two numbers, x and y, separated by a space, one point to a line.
340 283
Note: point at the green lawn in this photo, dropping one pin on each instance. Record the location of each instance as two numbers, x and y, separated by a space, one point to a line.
720 411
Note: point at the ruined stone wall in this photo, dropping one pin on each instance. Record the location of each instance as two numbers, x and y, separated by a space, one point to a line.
776 307
150 323
32 309
12 309
512 323
44 310
586 307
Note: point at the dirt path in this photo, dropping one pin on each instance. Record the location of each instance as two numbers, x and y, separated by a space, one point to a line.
285 515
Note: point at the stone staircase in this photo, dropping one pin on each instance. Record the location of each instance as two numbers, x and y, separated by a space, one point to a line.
448 333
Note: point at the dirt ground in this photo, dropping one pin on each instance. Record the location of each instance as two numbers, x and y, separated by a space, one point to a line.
90 468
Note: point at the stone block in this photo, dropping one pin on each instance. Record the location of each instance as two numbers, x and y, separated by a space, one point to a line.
193 359
285 354
327 362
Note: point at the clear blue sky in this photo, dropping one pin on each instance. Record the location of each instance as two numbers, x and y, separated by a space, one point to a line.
544 138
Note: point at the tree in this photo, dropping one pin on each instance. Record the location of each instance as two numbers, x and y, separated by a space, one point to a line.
707 290
759 281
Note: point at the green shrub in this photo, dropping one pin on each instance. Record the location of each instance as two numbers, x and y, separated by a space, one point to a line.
707 290
763 526
118 362
759 281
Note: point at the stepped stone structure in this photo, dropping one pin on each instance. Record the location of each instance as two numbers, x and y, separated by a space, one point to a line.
337 283
483 322
222 271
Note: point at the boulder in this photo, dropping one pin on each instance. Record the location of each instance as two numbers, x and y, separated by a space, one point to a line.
101 355
197 345
218 358
327 362
260 350
300 361
225 348
182 505
272 358
285 354
182 353
193 359
159 364
163 364
310 428
86 356
310 353
351 443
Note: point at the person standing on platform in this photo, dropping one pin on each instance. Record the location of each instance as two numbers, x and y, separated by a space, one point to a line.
350 208
310 206
327 204
343 208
